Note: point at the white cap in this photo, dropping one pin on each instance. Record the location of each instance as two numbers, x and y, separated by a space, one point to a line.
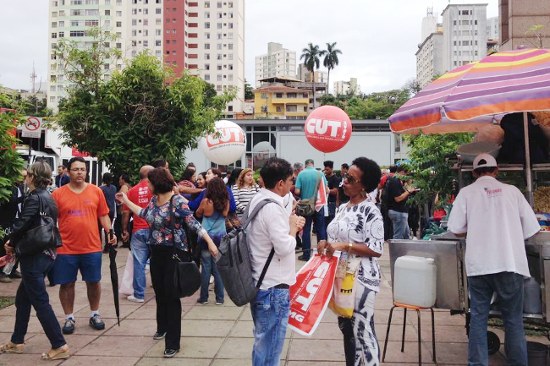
485 160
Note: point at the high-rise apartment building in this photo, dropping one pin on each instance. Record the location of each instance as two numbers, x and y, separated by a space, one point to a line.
346 87
278 62
464 35
204 37
429 58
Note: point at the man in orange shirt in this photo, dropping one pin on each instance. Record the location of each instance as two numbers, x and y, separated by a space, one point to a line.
80 206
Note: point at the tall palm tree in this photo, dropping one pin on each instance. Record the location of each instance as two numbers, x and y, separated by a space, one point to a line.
311 56
330 60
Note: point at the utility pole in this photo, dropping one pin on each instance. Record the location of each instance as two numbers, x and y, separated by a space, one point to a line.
33 80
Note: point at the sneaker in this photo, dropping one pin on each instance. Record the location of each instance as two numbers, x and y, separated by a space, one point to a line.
202 302
96 322
159 335
170 352
303 258
218 302
68 327
132 298
211 281
4 278
15 274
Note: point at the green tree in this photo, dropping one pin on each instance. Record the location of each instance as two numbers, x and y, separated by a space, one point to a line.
330 60
136 116
11 163
311 55
429 163
248 91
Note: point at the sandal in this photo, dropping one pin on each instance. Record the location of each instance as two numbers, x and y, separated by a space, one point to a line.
11 347
57 353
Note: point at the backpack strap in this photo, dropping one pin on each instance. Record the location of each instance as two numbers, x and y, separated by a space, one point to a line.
249 218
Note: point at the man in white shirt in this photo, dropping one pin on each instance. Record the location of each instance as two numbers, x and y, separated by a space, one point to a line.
272 228
497 219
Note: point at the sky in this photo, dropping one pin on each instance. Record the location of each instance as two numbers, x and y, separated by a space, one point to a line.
378 38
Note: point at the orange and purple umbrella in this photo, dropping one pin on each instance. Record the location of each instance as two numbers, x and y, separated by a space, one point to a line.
479 93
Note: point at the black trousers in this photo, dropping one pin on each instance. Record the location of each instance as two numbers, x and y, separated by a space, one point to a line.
168 305
346 327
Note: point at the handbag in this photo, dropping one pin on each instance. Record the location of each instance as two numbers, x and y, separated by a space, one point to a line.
187 277
306 207
45 235
342 302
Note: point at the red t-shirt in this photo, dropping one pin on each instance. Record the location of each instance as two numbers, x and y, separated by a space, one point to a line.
78 218
140 195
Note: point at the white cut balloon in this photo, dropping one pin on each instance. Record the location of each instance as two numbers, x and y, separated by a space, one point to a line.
226 145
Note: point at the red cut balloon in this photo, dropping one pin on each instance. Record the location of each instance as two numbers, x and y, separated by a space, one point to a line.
328 128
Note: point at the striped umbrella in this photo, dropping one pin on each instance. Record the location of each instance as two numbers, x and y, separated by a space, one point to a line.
479 93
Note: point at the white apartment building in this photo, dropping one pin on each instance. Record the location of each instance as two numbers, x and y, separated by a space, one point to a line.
493 28
347 87
429 59
215 46
465 34
71 19
278 61
204 37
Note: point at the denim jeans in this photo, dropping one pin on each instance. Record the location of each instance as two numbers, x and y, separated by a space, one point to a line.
32 292
400 223
209 268
321 231
270 312
509 288
140 251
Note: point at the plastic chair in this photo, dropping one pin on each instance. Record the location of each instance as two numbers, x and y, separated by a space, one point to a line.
417 309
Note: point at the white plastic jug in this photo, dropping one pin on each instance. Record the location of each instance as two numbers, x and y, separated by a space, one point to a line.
414 281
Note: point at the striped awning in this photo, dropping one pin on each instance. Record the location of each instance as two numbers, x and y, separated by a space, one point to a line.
479 93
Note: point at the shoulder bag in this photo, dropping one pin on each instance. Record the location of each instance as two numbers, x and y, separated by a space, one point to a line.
45 235
306 207
187 277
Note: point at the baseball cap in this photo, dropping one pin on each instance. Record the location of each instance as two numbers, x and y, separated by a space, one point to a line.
485 160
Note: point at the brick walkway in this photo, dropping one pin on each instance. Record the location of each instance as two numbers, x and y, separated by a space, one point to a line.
222 335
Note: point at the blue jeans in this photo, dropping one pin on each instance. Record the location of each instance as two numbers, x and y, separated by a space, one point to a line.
209 268
509 288
32 292
400 223
270 312
321 231
140 251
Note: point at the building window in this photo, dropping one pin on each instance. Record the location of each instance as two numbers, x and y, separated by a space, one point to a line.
158 11
158 43
61 34
207 46
107 12
207 77
54 35
278 95
119 24
207 25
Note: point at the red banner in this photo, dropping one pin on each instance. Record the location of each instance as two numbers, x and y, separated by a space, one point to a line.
310 295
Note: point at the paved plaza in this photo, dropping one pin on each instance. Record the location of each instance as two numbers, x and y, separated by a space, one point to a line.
214 335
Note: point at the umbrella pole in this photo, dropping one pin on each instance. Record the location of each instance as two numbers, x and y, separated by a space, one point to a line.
528 172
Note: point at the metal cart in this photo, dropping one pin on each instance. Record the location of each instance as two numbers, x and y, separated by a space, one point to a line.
452 285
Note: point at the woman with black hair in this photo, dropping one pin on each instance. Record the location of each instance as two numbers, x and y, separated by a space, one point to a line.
213 209
167 214
357 231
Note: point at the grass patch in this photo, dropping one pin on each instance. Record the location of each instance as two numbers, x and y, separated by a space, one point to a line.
6 301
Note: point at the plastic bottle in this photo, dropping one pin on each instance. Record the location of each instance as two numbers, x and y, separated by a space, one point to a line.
532 303
342 265
9 266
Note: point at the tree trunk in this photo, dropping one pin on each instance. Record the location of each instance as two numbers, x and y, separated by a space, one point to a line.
313 77
328 79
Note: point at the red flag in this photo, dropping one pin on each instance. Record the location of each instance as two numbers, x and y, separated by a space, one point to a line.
310 295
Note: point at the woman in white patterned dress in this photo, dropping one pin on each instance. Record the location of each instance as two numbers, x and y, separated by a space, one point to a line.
358 232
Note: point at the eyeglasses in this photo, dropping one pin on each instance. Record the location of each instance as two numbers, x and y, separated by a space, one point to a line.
350 179
78 169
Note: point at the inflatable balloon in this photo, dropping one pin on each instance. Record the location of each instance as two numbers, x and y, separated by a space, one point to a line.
226 145
328 128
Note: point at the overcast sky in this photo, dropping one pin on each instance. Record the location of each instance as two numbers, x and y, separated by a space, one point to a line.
378 38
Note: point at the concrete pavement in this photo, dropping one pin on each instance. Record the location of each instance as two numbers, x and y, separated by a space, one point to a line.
214 335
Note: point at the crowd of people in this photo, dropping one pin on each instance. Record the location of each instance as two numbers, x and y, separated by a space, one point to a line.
160 217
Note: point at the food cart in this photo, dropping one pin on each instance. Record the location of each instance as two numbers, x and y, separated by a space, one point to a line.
451 286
